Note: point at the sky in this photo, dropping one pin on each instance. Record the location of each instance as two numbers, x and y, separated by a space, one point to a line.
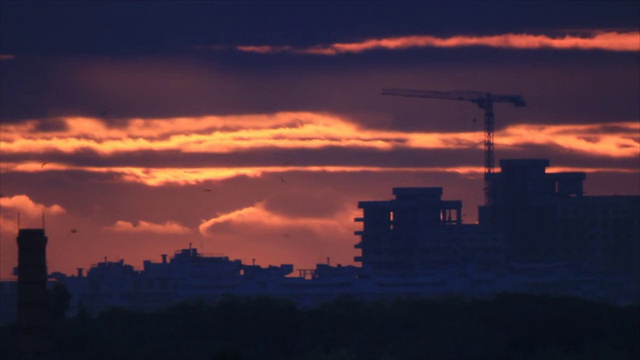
252 129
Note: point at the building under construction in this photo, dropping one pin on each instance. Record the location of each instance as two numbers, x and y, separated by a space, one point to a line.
531 219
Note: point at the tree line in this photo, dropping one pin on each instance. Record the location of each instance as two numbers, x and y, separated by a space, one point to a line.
506 326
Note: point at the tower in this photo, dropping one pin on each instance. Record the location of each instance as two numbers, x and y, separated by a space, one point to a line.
33 305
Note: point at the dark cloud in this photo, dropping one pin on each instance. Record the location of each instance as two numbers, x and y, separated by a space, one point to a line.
561 157
49 125
580 87
331 156
134 28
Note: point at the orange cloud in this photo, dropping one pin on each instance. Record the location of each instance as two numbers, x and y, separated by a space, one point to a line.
277 238
258 216
606 41
592 138
295 130
286 130
221 134
28 207
168 228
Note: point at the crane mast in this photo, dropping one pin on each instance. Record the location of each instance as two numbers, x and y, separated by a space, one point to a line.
484 100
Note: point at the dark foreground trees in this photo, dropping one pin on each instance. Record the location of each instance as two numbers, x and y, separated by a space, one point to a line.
508 326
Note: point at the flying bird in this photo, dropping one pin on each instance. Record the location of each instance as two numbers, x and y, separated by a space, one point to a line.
207 190
43 164
74 230
282 180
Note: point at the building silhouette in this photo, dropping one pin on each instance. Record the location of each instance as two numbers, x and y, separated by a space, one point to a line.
546 218
33 316
532 219
418 232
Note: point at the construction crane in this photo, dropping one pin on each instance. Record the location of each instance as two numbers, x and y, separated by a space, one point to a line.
484 100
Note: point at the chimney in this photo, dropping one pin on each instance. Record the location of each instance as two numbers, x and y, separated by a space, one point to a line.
80 272
164 258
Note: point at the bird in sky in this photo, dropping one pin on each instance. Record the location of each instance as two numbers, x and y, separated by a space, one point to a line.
207 190
74 230
43 164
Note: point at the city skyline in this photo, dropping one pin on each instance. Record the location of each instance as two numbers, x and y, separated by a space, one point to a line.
253 130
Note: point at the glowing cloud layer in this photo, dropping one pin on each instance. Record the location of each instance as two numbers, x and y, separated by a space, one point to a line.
225 134
168 228
287 130
620 140
606 41
221 134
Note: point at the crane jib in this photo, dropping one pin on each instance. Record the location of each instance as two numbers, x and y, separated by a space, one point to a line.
484 100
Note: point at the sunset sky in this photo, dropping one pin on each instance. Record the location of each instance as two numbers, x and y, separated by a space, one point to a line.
252 130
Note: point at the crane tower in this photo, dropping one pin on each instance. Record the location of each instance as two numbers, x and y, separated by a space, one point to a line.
484 100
